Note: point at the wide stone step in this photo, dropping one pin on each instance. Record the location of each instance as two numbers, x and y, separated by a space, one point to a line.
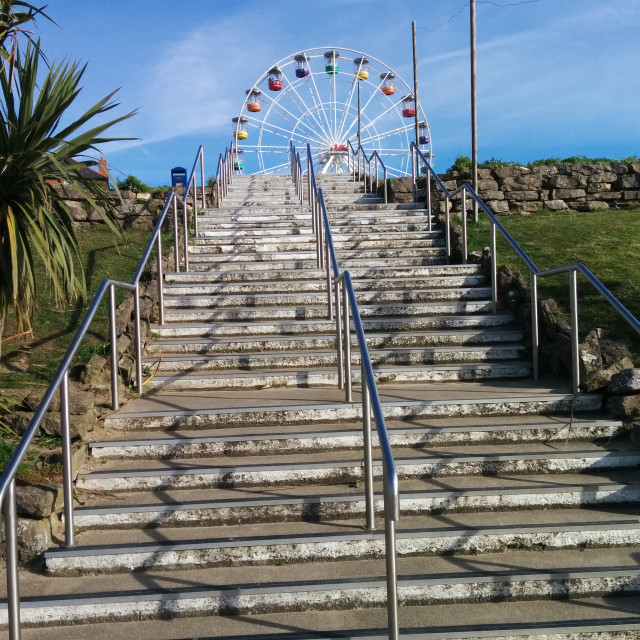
307 270
307 327
304 259
311 438
275 342
270 361
466 535
189 473
309 312
320 285
399 402
189 508
309 299
290 377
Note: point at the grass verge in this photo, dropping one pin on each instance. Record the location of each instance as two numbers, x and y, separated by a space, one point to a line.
607 242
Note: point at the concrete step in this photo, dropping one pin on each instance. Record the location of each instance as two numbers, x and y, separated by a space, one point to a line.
482 322
319 285
307 270
215 507
308 299
420 433
599 619
273 342
318 312
278 543
314 406
268 362
292 377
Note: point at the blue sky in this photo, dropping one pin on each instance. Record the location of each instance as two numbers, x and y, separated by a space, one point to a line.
555 77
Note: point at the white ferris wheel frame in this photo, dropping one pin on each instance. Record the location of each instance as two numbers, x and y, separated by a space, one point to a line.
324 123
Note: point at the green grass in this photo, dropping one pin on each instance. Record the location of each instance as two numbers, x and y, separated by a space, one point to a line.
607 242
54 326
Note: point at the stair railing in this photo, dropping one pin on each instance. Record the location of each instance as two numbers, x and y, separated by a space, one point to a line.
224 175
419 161
192 182
359 158
60 383
296 172
346 307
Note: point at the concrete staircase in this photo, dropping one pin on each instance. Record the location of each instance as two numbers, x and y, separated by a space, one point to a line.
228 502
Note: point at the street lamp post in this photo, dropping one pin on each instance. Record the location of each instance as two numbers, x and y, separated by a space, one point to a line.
474 122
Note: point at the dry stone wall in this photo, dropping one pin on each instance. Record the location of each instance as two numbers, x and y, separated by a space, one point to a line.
579 187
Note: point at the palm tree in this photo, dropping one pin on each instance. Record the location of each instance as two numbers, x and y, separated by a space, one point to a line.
36 164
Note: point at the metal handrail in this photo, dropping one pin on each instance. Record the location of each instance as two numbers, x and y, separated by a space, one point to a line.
367 161
61 382
224 174
192 180
296 172
345 301
535 272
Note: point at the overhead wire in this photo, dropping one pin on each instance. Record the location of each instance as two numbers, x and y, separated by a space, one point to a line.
466 5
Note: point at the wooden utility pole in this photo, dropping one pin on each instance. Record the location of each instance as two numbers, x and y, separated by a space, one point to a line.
415 83
474 122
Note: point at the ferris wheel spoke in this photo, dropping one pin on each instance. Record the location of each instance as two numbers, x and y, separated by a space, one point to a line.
313 90
290 118
281 131
386 134
345 134
308 112
345 113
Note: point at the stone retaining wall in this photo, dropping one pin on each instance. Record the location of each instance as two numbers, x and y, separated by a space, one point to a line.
506 190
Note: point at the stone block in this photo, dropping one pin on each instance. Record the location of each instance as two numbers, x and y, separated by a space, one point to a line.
34 537
498 206
485 174
39 501
79 425
631 181
530 207
625 382
615 351
565 182
510 172
630 195
624 406
592 205
599 380
564 194
524 195
556 205
543 170
92 370
619 169
597 187
493 195
602 176
486 185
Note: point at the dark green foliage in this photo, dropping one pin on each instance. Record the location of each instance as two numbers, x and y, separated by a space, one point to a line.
131 183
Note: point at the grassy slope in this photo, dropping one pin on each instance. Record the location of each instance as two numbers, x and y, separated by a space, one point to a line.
54 326
607 242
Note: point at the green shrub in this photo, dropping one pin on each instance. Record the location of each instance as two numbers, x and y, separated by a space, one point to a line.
462 164
131 183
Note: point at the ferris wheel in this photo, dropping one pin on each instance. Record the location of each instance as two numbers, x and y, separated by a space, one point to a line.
328 97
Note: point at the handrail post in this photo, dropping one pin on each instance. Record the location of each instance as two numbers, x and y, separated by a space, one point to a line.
368 454
494 269
185 235
11 551
338 317
176 235
385 185
160 279
464 225
447 231
138 338
195 208
427 187
319 231
219 178
575 358
67 466
535 340
329 279
413 173
204 204
115 399
346 339
390 559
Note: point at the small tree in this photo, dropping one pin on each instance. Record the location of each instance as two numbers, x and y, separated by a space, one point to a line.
37 157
